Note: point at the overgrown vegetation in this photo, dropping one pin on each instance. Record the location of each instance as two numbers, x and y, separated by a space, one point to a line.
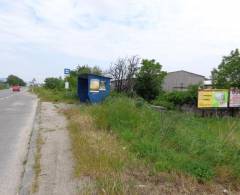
100 156
54 83
37 163
177 98
3 86
55 95
205 148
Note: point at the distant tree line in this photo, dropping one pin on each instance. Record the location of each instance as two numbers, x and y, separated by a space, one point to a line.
15 80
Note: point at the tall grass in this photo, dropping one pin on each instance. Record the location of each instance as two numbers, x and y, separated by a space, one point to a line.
98 155
205 148
55 95
3 86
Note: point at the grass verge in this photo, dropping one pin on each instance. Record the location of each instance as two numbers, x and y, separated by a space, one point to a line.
55 95
126 148
37 164
100 156
3 86
206 149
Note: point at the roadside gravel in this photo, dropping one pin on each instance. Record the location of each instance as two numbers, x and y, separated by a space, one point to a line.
56 162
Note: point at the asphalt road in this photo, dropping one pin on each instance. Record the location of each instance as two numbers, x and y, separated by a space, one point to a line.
17 111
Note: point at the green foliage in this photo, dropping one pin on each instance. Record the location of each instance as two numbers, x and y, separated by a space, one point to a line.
14 80
177 98
3 86
149 79
85 69
183 97
174 141
54 83
227 73
140 102
54 95
201 170
164 103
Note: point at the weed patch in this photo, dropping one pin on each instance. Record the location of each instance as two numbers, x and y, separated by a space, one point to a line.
174 141
52 95
37 164
98 155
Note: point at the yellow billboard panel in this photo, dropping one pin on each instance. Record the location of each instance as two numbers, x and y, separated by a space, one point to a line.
94 85
213 98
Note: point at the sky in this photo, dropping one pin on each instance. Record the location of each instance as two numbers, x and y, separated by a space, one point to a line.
39 38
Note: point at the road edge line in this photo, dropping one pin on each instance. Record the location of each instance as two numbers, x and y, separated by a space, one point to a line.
28 162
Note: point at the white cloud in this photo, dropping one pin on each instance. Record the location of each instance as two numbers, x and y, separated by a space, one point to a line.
179 33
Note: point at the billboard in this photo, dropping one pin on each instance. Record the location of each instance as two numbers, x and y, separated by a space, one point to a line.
234 100
94 85
213 98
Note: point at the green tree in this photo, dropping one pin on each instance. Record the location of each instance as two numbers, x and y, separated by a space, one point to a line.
228 72
96 70
85 69
14 80
182 97
149 79
54 83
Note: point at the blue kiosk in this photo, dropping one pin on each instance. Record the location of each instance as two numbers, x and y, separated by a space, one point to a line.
93 88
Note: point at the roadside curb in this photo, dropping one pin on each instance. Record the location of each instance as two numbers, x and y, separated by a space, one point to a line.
28 172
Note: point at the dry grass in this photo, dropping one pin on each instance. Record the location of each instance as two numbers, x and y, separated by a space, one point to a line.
37 163
99 155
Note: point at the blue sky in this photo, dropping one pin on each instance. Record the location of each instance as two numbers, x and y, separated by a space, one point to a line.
38 38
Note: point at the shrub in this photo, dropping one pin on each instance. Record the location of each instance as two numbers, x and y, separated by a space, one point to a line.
54 83
139 102
177 98
3 86
201 170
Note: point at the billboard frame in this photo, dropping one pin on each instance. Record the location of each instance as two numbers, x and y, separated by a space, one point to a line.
209 99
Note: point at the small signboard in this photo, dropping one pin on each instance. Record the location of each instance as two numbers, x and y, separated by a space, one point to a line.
213 98
94 85
66 71
234 100
66 85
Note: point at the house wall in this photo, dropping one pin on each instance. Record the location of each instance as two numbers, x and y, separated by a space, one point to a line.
181 80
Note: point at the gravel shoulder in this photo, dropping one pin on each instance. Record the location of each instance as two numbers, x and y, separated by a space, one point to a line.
56 162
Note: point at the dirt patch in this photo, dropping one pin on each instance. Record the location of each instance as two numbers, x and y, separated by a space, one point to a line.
56 163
